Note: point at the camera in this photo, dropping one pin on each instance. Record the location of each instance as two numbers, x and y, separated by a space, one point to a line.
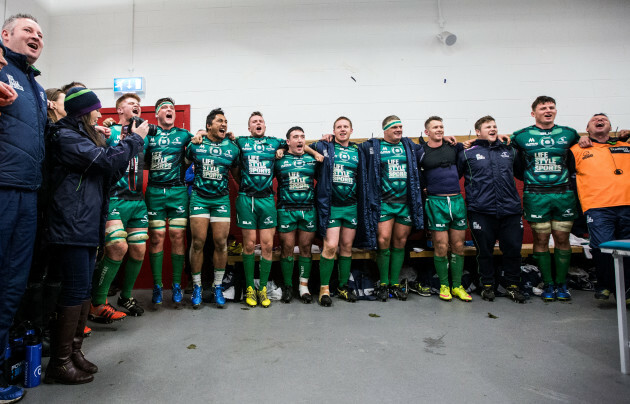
152 128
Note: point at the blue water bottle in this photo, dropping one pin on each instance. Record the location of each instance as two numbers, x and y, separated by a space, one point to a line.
33 366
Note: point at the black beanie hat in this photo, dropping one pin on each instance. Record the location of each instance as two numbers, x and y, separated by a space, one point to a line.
79 101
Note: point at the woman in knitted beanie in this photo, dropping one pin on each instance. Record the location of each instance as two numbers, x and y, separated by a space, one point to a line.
81 169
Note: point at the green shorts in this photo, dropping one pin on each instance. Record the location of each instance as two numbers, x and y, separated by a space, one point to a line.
540 208
255 213
167 203
398 211
214 209
446 212
343 216
133 214
289 220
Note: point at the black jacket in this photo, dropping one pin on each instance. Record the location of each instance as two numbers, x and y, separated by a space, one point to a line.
488 170
80 176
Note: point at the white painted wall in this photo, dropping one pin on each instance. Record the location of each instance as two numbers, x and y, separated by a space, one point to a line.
293 60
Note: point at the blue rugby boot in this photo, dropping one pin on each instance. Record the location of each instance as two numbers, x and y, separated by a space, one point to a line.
177 294
549 293
195 297
219 299
157 294
562 293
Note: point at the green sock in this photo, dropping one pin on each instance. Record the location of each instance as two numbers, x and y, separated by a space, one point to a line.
155 259
398 256
305 263
103 278
265 270
249 260
132 269
441 267
287 264
543 260
344 264
457 269
562 259
326 266
382 262
178 267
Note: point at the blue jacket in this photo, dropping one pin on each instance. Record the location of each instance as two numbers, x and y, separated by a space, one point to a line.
80 175
22 126
323 190
488 170
369 198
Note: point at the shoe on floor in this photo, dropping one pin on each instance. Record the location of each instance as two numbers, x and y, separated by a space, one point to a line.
445 293
105 313
382 293
514 293
131 305
398 292
250 297
177 293
157 294
461 293
219 299
602 294
10 393
262 297
346 294
549 293
562 293
287 294
195 297
487 293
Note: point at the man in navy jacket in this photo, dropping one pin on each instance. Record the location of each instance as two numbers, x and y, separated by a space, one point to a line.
494 206
390 201
22 126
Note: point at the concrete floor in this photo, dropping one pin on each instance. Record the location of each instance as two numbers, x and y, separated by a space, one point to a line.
419 350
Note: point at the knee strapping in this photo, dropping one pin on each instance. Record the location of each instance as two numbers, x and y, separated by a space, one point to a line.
157 225
562 225
178 223
115 234
542 228
137 237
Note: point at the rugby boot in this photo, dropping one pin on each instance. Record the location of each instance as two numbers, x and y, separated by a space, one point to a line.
131 305
346 294
178 296
195 297
461 293
602 294
287 294
562 293
262 297
549 293
382 293
514 293
250 297
105 313
78 358
398 292
87 331
219 299
157 294
445 293
324 296
487 293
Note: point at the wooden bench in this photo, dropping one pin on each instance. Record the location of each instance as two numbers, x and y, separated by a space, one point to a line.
526 250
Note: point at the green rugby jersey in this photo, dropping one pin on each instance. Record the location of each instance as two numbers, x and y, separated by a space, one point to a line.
212 163
129 187
257 159
296 181
545 153
344 186
165 157
393 172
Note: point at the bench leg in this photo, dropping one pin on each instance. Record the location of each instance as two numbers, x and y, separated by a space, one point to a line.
622 321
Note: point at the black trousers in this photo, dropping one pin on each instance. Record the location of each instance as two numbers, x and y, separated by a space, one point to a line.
486 230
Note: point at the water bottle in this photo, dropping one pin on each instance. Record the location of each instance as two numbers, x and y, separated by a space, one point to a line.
33 365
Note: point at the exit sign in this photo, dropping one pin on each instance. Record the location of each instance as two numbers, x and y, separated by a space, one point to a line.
129 85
